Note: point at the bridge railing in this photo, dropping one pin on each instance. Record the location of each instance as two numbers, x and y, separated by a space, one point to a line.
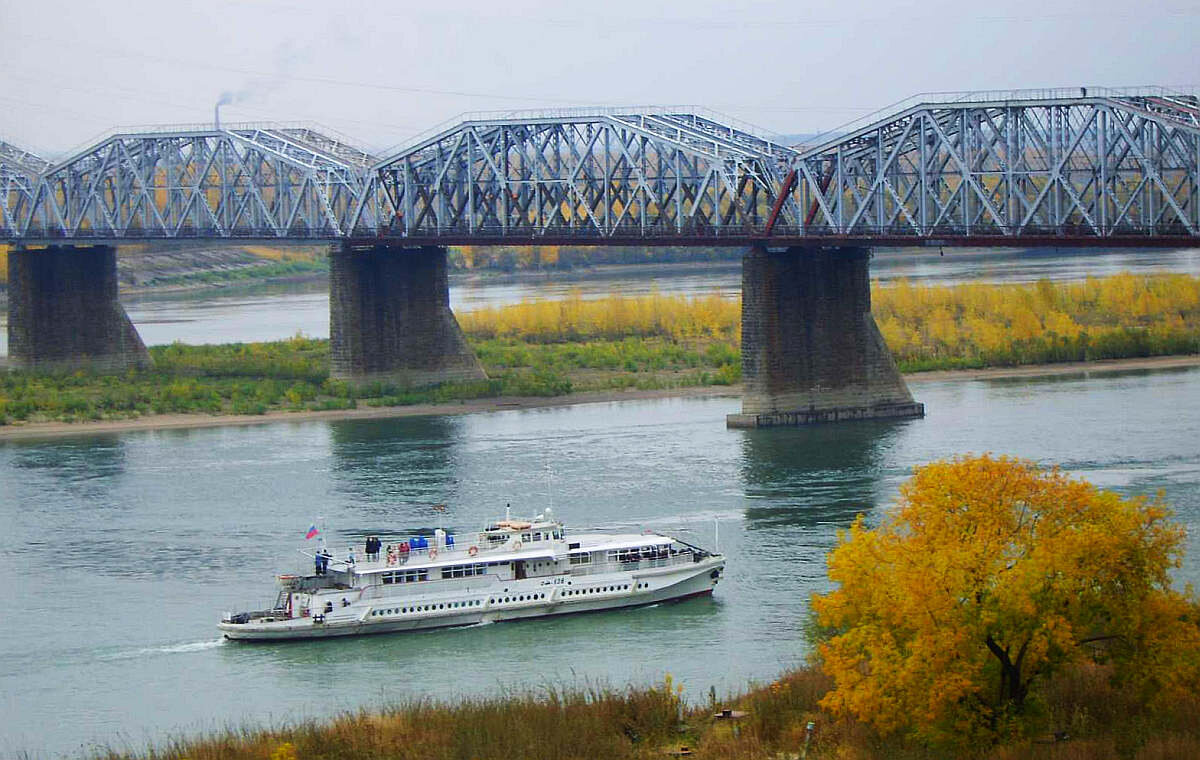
958 97
83 148
572 112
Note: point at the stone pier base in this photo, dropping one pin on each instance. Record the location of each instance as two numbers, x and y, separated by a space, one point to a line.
390 318
811 351
63 312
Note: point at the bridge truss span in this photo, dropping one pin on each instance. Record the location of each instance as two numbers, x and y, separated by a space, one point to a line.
251 182
1083 167
1055 167
604 177
19 172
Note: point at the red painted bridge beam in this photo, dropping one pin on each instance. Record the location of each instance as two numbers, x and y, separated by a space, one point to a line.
788 183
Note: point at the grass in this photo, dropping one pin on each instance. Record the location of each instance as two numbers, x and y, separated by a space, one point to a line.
551 348
617 724
293 375
268 270
973 325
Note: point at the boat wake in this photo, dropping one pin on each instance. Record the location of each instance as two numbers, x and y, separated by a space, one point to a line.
191 646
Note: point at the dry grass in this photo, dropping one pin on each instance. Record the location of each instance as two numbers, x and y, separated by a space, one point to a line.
611 318
646 723
1121 315
286 253
926 327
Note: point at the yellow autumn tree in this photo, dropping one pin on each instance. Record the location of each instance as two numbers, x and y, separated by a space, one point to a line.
989 575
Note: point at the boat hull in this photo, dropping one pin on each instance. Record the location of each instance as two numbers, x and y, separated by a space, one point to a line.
567 597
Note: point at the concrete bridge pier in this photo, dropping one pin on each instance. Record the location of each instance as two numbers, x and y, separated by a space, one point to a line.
811 351
390 318
63 312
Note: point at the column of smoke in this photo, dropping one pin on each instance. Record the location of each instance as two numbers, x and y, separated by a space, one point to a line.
287 56
225 99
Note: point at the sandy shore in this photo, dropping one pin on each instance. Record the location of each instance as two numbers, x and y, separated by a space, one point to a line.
35 430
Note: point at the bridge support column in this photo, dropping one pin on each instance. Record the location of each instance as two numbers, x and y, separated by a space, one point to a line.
390 318
63 312
811 351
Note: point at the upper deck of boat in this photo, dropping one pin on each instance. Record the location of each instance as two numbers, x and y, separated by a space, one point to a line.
456 554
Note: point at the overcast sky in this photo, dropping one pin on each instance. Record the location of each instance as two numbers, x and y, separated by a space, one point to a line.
382 71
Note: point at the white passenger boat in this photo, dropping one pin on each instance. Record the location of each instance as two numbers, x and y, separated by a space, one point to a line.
512 569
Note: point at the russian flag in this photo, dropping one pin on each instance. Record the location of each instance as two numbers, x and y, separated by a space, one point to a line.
312 532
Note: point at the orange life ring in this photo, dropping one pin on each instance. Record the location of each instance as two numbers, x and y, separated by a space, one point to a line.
433 553
473 551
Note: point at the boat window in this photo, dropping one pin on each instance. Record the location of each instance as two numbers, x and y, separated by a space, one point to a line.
623 555
405 576
581 558
525 537
464 571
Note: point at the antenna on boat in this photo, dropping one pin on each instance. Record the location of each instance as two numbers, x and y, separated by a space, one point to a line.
717 535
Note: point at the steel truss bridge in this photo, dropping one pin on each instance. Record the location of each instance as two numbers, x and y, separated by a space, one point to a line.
1063 167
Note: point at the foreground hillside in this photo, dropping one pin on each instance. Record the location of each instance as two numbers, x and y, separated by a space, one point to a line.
1084 717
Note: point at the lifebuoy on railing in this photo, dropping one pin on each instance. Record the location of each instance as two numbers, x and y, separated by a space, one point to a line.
473 551
516 544
433 553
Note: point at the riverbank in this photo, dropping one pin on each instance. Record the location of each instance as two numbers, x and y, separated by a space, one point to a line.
35 430
612 345
1083 716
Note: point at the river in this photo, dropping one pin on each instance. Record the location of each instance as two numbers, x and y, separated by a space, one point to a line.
120 552
280 311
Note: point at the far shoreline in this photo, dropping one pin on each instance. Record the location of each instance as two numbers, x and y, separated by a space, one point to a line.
36 430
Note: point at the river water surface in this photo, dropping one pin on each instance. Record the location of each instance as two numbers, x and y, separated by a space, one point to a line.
120 552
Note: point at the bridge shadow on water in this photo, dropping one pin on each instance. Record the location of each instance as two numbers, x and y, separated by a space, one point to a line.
83 466
390 472
809 476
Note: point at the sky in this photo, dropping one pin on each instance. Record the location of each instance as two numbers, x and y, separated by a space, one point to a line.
382 72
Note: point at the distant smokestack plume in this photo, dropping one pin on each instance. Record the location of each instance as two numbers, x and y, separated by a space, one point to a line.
225 99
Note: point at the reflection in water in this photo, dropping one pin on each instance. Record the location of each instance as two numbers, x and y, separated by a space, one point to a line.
813 475
391 471
75 462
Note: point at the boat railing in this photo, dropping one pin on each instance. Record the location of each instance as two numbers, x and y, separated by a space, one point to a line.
433 585
421 554
596 568
390 590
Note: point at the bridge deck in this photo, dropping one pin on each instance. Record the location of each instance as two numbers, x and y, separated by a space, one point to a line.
1093 167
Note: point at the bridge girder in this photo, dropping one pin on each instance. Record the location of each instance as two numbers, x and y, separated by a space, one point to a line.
1109 167
593 175
237 182
1087 166
19 171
